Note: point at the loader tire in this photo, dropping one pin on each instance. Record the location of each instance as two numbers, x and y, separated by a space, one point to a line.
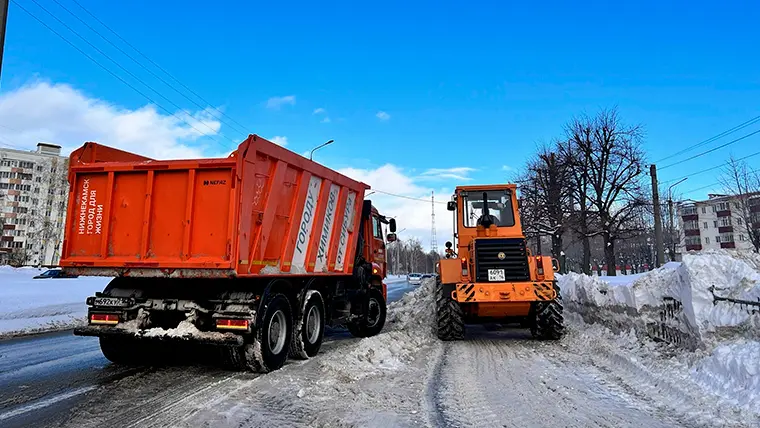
310 328
549 323
449 316
375 320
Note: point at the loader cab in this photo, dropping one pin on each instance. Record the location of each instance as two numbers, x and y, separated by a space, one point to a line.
485 211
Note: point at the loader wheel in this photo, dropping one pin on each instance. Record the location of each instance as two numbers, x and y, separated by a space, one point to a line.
308 334
449 316
373 323
269 346
549 322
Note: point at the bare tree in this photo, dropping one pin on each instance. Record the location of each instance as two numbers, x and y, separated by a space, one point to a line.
744 185
613 160
546 192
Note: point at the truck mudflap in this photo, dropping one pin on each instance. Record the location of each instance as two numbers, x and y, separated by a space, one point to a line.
179 334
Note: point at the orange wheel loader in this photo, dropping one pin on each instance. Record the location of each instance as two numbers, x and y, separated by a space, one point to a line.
491 276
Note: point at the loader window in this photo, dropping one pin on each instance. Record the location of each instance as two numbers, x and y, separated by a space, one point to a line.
499 208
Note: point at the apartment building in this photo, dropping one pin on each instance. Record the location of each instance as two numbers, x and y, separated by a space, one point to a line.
719 222
33 198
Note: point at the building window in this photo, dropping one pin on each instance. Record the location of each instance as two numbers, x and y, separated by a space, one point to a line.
38 180
742 238
689 211
723 206
715 224
26 164
739 221
717 239
728 237
704 210
692 240
707 239
725 221
705 225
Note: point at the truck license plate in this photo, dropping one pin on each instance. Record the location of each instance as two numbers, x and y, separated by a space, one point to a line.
496 275
110 301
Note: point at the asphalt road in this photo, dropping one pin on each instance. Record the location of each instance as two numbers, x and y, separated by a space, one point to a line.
55 379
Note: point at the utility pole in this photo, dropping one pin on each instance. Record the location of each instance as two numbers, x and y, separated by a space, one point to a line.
3 22
657 217
671 226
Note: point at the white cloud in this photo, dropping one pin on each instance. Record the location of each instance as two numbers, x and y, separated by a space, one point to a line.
383 115
459 173
60 114
411 214
326 120
507 168
319 110
280 141
275 103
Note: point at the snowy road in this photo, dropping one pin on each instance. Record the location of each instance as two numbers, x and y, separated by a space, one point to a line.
403 377
57 378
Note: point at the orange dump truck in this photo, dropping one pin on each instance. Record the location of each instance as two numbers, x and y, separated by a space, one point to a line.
254 253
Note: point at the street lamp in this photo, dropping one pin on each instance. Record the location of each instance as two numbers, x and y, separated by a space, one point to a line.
672 246
318 147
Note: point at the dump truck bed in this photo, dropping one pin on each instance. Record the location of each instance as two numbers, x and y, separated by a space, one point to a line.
263 210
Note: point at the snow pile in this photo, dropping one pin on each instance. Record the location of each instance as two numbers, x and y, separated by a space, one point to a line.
408 328
674 302
35 305
732 370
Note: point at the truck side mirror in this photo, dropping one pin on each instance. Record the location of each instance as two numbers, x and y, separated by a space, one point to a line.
391 237
392 225
451 206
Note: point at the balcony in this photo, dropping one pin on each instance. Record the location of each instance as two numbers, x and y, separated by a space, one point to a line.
691 232
690 217
727 245
724 213
726 229
694 247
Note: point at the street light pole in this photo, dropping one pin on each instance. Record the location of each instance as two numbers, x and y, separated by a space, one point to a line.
672 246
3 23
317 148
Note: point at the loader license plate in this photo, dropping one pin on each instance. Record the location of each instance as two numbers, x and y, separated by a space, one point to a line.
496 275
110 301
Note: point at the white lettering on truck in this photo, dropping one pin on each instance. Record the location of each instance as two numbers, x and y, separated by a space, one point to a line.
348 218
90 212
327 227
298 264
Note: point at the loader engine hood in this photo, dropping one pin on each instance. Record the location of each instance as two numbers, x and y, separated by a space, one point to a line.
500 256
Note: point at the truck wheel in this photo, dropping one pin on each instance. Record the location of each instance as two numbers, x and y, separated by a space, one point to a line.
549 322
449 316
308 334
373 323
272 338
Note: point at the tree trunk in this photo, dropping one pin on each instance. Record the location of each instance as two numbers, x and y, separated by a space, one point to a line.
556 245
586 242
609 254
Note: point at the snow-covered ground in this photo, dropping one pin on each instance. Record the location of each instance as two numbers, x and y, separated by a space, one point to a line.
712 343
34 305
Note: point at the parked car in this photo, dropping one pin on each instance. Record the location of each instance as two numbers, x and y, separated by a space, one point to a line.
414 278
54 273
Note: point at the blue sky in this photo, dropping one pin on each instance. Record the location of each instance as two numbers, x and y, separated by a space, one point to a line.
464 85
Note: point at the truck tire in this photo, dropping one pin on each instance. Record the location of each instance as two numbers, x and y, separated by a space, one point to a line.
310 329
549 322
449 316
373 323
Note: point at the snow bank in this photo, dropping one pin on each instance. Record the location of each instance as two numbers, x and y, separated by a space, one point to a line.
408 328
732 370
675 302
34 305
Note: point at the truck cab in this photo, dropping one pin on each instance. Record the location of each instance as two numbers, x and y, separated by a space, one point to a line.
491 275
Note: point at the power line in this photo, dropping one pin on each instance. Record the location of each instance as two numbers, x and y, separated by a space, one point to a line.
713 138
407 197
109 71
714 184
711 150
153 62
143 66
709 169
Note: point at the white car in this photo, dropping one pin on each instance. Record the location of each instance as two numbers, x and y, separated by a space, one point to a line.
414 278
